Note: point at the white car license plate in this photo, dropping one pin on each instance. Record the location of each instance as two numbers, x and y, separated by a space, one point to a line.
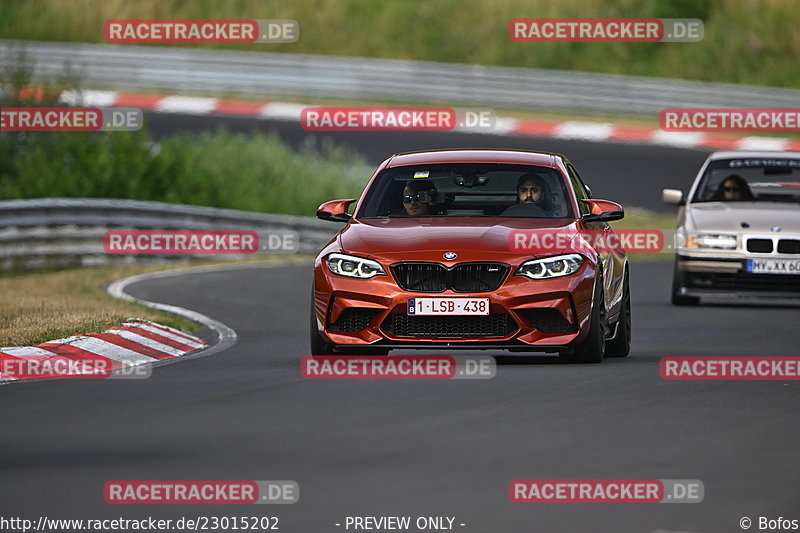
448 306
773 266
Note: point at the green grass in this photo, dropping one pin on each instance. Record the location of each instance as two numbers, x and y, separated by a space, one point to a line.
640 218
41 306
746 41
253 172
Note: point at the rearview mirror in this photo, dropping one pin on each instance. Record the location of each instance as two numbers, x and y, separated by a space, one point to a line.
335 210
603 211
672 196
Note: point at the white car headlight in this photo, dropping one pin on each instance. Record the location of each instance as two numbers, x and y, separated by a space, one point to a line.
354 267
711 240
551 267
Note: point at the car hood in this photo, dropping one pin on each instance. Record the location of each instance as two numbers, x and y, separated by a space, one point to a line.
427 239
728 217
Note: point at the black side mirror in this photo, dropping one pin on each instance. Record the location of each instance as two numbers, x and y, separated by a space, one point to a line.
603 211
604 217
325 215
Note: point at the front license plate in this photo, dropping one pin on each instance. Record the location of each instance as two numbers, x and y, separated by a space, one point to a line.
773 266
448 306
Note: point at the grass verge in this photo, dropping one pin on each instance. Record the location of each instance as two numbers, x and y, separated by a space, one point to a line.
644 219
745 41
41 306
248 171
639 218
254 172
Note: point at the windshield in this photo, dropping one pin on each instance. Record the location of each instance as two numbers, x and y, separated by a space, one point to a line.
750 180
468 190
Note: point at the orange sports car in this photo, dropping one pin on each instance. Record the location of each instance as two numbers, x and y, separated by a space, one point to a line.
437 254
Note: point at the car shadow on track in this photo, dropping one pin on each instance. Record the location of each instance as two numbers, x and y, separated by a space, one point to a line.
528 360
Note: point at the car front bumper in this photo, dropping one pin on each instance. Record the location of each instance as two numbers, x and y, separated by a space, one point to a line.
540 315
726 276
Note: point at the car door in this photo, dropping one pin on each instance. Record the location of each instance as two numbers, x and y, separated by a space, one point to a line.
612 262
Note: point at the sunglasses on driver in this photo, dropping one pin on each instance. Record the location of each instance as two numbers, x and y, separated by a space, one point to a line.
421 197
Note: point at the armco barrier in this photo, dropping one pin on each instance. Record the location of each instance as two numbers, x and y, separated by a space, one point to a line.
69 231
221 72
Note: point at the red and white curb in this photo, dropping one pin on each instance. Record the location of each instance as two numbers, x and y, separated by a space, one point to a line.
136 342
569 129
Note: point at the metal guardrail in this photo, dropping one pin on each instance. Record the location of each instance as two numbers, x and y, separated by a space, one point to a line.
217 72
69 231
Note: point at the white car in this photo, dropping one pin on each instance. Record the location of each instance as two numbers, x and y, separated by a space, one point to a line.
738 229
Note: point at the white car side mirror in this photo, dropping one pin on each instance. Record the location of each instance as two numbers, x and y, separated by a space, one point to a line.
672 196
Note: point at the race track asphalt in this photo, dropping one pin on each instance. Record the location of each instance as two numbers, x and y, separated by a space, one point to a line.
441 448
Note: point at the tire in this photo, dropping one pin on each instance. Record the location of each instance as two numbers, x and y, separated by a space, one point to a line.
677 282
319 346
593 347
620 345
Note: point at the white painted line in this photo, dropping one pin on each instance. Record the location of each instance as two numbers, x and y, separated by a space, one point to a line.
763 143
140 339
502 126
65 340
591 131
282 111
192 341
680 139
505 125
226 337
28 352
191 105
89 98
111 351
25 352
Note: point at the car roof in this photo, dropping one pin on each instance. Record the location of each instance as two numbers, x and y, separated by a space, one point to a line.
522 157
761 153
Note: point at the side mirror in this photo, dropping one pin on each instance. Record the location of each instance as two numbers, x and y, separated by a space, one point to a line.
603 211
672 197
335 210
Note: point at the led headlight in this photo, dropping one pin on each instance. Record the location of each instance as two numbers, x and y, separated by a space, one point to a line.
551 267
711 240
354 267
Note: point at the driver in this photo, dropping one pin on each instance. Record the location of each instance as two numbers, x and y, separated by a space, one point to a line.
418 197
734 188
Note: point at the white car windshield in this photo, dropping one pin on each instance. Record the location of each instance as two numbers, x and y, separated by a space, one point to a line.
750 180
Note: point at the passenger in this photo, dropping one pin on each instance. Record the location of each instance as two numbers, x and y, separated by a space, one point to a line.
533 190
733 189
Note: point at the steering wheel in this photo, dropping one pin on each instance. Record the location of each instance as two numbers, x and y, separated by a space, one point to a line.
525 210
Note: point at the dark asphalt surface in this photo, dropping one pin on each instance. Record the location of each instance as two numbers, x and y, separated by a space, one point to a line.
443 448
632 176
